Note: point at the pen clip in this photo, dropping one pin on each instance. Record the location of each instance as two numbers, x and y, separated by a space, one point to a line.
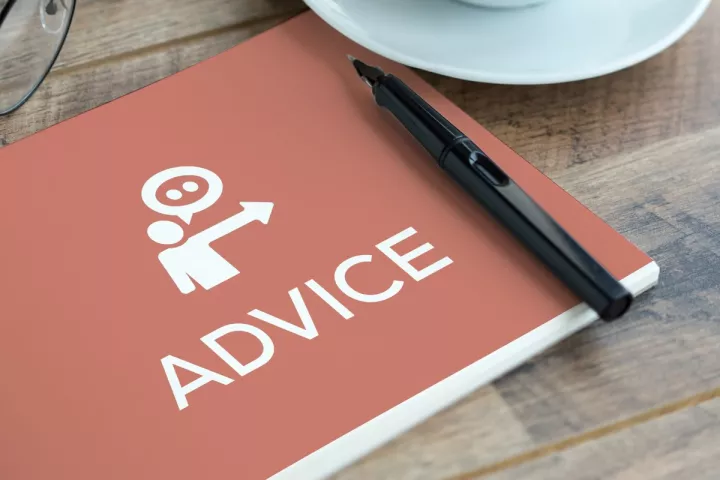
488 169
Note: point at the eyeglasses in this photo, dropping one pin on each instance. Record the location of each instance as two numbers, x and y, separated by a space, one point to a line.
32 33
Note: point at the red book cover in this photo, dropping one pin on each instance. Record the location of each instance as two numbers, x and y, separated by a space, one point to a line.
248 270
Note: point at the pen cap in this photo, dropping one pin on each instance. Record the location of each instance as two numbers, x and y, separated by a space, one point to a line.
431 129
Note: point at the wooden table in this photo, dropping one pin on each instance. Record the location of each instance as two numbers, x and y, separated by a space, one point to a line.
638 398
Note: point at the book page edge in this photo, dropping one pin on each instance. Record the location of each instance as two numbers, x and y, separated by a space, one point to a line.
361 441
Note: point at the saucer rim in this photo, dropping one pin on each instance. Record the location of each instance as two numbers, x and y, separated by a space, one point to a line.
484 76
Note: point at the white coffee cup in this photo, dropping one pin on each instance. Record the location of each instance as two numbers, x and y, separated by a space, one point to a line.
504 3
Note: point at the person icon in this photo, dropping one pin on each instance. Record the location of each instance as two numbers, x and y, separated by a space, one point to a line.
195 259
192 260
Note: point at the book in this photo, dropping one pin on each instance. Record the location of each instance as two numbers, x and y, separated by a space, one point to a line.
248 270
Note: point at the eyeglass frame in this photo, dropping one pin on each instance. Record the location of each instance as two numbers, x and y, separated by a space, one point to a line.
4 12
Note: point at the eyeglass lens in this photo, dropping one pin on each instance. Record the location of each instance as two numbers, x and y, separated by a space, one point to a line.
30 37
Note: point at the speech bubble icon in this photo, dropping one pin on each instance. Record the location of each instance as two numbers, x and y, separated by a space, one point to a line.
184 212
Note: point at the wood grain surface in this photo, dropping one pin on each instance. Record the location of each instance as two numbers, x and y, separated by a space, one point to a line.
634 399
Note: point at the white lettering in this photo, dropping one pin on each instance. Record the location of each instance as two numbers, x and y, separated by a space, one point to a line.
309 331
180 392
403 261
341 272
329 299
268 347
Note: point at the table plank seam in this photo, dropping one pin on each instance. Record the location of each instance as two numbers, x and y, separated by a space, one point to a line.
158 47
590 435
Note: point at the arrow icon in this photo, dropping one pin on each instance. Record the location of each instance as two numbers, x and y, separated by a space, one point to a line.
252 211
259 211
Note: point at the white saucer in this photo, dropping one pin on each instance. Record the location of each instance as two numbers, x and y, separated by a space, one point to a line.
558 41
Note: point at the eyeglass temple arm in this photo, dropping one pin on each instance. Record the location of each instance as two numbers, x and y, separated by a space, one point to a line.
6 10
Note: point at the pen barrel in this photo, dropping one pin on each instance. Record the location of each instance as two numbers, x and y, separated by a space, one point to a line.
536 230
429 128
